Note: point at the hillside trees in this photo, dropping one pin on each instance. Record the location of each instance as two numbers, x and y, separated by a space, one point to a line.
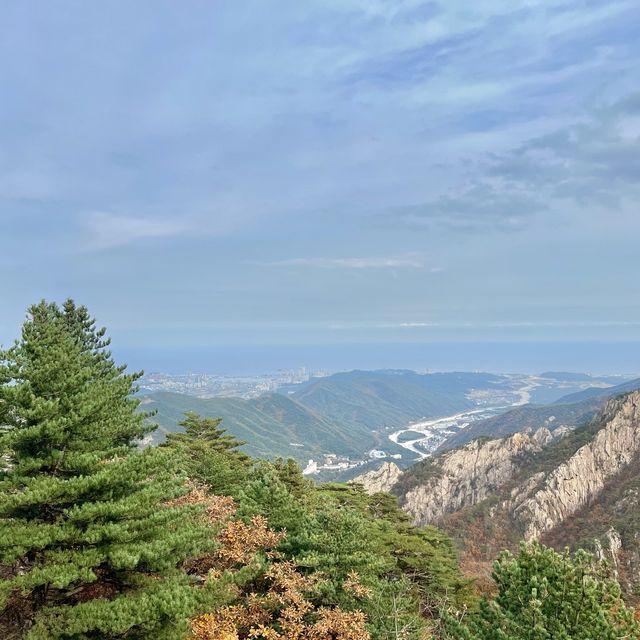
268 596
89 546
332 543
415 569
544 595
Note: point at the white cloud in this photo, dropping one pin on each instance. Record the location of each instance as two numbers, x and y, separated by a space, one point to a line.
111 230
377 262
511 325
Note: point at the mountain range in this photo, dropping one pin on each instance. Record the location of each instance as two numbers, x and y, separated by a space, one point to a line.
566 472
349 414
378 399
345 414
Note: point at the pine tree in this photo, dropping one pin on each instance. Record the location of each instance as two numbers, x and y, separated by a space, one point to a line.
209 455
90 543
208 431
265 494
424 555
290 472
545 595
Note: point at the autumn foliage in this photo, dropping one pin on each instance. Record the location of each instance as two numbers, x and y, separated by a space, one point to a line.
282 612
281 609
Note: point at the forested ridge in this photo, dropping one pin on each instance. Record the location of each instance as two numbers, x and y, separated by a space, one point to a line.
100 538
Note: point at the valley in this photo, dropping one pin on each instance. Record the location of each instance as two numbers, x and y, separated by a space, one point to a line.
488 457
432 434
342 424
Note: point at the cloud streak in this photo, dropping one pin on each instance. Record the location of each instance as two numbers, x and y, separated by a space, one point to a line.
372 262
593 164
108 230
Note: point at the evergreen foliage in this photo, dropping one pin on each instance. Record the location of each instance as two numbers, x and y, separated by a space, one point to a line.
209 455
337 531
89 547
545 595
290 473
267 495
412 572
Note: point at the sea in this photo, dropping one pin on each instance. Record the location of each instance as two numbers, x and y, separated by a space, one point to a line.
613 357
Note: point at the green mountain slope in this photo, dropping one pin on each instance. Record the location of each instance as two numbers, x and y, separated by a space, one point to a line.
376 399
272 425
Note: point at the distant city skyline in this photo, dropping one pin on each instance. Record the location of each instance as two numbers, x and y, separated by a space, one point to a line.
327 180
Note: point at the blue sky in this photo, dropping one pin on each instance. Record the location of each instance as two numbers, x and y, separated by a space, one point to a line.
337 171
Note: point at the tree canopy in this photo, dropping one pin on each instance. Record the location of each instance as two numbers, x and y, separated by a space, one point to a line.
89 544
546 595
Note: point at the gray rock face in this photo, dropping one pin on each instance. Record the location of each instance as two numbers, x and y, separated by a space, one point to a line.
469 475
604 470
575 483
543 436
543 500
381 479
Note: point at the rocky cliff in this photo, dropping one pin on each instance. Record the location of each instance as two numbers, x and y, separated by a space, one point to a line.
571 488
378 480
575 483
466 476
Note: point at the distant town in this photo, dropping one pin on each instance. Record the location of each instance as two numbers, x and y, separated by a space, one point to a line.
335 462
205 385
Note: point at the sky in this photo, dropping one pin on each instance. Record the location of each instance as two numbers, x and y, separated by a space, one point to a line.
279 174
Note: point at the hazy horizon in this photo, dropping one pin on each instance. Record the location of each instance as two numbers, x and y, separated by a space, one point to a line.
612 358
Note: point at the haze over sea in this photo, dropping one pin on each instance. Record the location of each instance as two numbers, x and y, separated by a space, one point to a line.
515 357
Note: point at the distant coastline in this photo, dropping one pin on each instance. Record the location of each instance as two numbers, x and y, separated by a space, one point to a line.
598 357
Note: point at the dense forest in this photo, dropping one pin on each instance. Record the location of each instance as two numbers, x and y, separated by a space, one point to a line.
101 538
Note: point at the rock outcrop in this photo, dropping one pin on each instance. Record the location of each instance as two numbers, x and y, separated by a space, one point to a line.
611 551
466 476
576 482
532 483
382 479
567 487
